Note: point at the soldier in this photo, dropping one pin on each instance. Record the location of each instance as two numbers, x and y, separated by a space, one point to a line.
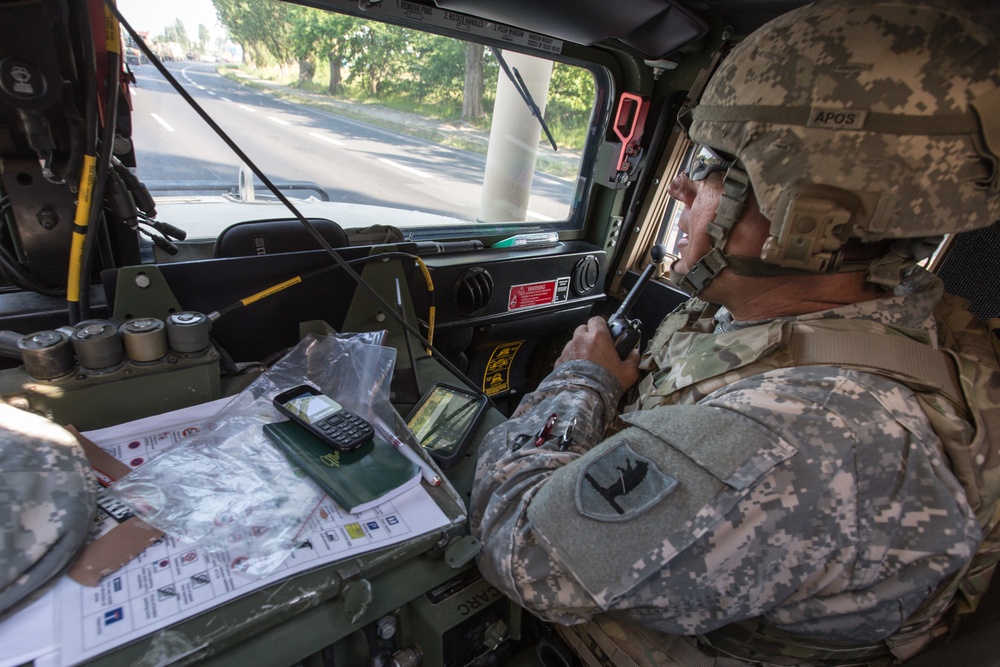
798 479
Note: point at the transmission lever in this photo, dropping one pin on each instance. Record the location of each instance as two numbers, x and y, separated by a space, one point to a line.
625 332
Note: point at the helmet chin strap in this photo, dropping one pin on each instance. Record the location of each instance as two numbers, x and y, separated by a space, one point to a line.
735 189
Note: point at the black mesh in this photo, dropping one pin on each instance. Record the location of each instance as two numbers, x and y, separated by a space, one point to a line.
971 269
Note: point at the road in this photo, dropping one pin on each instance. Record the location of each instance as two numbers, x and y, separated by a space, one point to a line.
354 162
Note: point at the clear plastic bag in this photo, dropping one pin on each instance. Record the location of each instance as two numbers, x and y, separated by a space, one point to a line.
227 489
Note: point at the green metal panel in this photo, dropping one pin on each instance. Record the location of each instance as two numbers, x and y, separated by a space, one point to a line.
132 392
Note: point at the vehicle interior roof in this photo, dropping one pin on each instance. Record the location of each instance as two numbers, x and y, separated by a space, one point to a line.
652 29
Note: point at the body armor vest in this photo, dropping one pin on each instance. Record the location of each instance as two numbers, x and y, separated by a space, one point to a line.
958 387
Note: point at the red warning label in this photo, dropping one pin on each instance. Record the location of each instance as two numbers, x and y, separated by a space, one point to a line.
532 295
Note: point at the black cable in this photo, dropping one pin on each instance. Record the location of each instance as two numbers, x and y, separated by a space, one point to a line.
112 82
284 200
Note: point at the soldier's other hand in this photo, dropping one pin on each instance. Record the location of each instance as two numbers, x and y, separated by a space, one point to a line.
592 341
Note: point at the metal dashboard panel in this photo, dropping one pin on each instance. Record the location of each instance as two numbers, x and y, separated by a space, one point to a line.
525 283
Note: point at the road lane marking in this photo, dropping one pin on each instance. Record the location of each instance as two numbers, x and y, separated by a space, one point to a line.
404 168
246 108
278 120
327 139
162 122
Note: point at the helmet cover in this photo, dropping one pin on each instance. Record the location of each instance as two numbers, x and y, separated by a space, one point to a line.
48 497
862 119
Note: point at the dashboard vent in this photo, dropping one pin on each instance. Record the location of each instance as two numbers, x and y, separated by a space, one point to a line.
473 291
585 273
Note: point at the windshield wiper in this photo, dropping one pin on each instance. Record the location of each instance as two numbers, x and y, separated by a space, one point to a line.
522 89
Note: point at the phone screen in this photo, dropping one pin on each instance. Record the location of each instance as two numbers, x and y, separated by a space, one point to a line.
312 408
443 419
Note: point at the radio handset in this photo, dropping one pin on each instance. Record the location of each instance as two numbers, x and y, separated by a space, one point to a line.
625 332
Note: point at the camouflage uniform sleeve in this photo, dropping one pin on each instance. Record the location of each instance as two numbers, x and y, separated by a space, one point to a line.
842 540
508 475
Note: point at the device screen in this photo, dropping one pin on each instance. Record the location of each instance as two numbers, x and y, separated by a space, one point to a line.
312 408
443 419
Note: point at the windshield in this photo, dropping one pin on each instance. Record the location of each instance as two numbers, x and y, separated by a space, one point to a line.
345 114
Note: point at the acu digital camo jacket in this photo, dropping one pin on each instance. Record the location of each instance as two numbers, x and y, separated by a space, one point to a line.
814 499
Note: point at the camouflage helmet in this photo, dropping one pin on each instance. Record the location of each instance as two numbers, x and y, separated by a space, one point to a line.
864 119
48 498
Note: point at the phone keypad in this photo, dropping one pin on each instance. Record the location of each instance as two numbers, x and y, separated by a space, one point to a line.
346 428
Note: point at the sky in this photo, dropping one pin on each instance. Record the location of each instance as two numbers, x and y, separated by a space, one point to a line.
153 16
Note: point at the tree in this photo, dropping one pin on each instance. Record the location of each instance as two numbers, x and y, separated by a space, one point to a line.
203 37
182 36
571 95
317 34
472 92
378 52
261 27
169 34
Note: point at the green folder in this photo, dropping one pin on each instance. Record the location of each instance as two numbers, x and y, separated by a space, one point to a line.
356 480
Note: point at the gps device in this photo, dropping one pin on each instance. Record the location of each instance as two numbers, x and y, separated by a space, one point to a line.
324 417
444 421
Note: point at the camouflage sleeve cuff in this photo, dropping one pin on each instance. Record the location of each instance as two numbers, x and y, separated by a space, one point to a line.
574 374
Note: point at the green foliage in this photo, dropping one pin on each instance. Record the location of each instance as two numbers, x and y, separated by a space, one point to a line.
262 27
182 36
388 65
571 97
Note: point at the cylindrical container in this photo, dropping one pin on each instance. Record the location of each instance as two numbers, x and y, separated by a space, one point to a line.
47 355
187 332
98 346
145 339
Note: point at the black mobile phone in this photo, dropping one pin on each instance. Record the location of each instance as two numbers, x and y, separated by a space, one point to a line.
324 417
444 421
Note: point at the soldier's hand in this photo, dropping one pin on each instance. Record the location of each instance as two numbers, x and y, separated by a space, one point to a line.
592 341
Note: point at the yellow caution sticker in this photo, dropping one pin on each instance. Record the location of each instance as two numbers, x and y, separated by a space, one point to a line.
496 378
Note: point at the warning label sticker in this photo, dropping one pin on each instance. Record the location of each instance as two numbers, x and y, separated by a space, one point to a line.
533 295
496 379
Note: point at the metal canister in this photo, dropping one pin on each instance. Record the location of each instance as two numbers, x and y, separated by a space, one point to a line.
145 339
98 346
187 332
47 355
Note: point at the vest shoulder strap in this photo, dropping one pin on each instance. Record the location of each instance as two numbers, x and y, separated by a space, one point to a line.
914 362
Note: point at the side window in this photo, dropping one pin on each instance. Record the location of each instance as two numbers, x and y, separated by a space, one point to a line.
668 233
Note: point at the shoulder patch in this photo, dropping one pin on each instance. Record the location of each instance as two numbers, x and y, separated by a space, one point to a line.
621 484
619 513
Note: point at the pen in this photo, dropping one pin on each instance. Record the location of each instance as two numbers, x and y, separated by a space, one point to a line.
546 429
567 436
426 471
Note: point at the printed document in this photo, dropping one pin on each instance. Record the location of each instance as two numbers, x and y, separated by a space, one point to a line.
170 581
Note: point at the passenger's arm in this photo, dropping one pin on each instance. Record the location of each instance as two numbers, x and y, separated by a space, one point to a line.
508 475
789 499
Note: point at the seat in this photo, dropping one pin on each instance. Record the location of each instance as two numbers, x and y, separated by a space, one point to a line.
970 269
270 237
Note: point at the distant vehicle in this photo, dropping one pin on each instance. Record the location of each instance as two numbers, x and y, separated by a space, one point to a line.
169 51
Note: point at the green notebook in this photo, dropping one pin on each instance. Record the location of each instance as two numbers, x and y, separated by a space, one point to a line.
357 480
